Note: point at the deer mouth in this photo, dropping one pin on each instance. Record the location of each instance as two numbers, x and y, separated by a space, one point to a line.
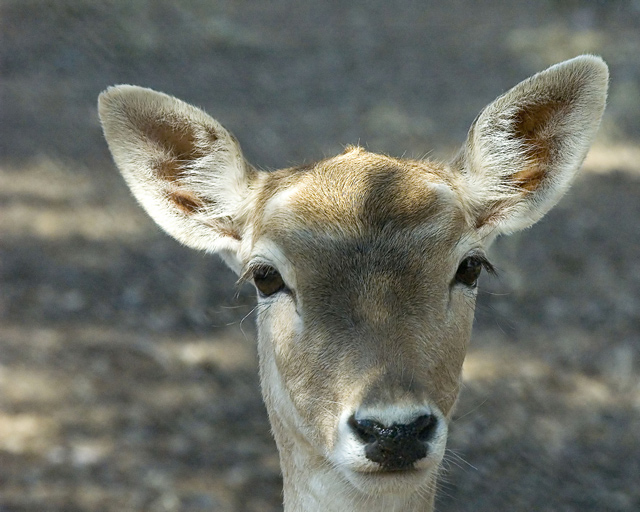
392 481
393 472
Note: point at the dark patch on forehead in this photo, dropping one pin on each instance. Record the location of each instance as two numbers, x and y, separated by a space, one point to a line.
369 280
365 191
387 250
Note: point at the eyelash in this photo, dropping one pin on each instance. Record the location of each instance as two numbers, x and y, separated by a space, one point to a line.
486 264
252 268
470 268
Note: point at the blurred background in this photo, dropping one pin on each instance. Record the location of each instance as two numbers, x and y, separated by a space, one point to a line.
128 374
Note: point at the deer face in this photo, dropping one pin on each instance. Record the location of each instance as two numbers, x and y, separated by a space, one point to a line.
366 272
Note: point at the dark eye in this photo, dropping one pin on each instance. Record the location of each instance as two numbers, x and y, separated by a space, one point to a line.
268 280
469 271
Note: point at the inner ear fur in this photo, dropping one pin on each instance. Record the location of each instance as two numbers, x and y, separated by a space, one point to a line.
185 169
525 148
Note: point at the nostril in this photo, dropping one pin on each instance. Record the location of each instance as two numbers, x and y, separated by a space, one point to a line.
366 430
424 427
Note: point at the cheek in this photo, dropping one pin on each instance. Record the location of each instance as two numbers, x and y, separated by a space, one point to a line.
446 374
281 348
303 370
278 332
460 314
279 324
316 390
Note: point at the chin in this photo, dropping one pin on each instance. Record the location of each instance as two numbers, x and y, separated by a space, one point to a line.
401 482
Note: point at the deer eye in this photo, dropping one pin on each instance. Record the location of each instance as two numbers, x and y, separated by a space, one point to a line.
268 280
469 271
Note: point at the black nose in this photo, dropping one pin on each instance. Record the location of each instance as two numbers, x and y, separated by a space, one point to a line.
398 446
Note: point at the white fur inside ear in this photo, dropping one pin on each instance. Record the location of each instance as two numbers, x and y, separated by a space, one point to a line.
525 148
183 167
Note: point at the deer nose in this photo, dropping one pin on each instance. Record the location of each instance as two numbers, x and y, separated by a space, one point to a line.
398 446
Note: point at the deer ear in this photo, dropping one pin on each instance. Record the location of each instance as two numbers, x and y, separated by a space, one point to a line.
183 167
524 149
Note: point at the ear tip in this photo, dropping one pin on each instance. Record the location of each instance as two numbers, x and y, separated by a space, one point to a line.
594 63
587 75
586 59
113 95
592 66
123 93
119 92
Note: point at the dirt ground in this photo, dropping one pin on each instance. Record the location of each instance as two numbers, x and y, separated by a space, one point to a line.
128 374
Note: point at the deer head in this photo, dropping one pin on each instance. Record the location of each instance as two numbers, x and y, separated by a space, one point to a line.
365 267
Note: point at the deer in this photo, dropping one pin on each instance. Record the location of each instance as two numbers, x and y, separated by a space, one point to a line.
365 267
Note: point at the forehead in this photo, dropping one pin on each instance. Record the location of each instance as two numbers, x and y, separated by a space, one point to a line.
359 196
